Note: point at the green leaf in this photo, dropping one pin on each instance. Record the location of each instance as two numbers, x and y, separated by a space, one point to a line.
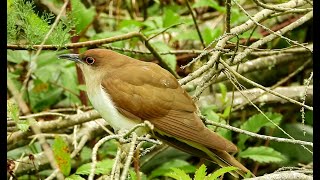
130 24
74 177
170 60
102 167
220 172
43 95
16 56
170 18
175 163
82 15
23 125
263 154
255 123
178 174
62 155
295 153
200 174
133 175
209 3
85 153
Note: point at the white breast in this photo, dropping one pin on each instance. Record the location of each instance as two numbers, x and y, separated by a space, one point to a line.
102 102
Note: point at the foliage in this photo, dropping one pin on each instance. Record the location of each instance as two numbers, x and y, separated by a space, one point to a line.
25 25
168 26
262 154
62 155
200 174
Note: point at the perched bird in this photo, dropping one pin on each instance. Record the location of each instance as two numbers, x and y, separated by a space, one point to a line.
126 91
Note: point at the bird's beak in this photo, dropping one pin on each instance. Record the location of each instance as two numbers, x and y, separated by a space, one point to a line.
71 57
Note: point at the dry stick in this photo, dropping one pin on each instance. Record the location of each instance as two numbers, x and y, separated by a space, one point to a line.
255 106
39 115
49 126
262 87
129 157
25 82
304 100
236 30
270 138
292 175
279 33
204 85
279 8
95 151
276 85
115 164
93 43
228 15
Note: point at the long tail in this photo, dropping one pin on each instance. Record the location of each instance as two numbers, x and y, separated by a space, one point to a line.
222 158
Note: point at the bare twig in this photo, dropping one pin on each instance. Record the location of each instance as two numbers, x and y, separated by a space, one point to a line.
262 87
195 23
255 135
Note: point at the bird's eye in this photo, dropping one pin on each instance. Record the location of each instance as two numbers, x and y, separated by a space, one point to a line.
90 60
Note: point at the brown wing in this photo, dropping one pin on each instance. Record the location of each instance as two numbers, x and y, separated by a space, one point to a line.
151 93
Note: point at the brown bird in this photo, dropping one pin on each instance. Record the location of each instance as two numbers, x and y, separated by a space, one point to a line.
126 91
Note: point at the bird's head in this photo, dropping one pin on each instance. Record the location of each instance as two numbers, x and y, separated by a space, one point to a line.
98 61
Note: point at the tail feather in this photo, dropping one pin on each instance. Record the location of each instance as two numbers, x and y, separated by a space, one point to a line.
222 158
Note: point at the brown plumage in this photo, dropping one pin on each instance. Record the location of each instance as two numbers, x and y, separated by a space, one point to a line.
145 91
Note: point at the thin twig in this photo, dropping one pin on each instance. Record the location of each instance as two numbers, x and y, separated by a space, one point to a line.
129 157
270 138
95 151
307 83
262 87
256 107
195 23
279 8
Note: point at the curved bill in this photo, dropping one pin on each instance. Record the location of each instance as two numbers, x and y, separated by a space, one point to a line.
71 57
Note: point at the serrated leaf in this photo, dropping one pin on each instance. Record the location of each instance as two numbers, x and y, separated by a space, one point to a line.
178 174
220 172
166 167
255 123
102 167
62 155
201 173
263 154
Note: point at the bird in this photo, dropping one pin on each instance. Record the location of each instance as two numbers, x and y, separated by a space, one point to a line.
126 91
